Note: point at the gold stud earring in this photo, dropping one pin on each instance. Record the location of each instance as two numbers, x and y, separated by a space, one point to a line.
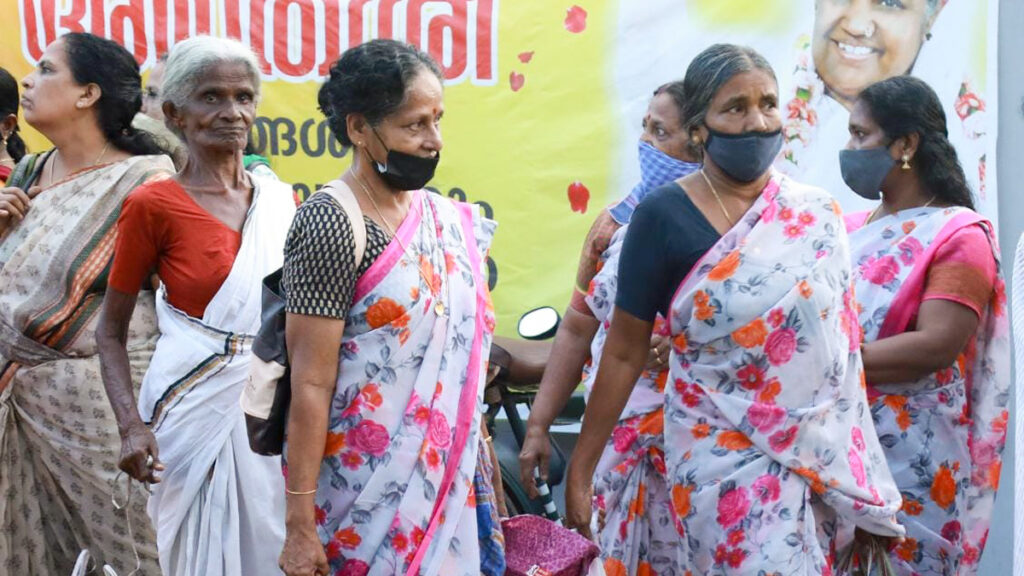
906 162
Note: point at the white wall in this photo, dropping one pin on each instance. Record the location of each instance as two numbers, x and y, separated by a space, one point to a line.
999 555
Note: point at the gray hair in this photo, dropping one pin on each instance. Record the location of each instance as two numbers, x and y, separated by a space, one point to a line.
708 72
189 60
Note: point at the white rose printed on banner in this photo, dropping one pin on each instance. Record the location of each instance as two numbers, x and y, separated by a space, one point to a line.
294 40
824 53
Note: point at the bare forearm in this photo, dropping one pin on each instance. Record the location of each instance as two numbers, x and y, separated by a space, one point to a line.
117 380
115 367
904 358
307 436
616 377
570 352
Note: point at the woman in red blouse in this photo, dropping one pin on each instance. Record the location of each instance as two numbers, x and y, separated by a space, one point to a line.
210 233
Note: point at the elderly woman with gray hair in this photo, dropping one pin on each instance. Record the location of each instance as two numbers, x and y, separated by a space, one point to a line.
210 233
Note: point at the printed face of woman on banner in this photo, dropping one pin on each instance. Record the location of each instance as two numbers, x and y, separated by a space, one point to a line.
859 42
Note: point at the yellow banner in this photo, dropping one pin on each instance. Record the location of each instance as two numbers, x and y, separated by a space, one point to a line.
544 99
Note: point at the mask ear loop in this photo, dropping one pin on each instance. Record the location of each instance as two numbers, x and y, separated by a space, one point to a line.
107 570
381 167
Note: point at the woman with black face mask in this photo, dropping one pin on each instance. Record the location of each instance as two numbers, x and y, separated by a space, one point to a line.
388 338
770 452
933 312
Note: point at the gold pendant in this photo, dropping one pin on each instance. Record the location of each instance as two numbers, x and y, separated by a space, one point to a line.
439 308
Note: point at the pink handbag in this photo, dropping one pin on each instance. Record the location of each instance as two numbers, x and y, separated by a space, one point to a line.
536 546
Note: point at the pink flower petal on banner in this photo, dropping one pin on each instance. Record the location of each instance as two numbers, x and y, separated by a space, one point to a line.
575 19
525 57
516 81
579 196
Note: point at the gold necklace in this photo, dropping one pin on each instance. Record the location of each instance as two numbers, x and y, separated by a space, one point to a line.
439 307
719 198
871 217
94 162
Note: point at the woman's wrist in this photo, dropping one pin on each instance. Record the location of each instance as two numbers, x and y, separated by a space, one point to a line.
300 514
129 422
538 424
580 470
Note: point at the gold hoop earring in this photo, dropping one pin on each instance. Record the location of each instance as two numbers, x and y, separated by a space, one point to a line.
906 162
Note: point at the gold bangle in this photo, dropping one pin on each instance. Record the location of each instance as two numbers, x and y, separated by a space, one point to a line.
307 493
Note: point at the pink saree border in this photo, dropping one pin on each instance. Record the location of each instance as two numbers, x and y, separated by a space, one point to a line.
394 251
906 301
467 401
856 220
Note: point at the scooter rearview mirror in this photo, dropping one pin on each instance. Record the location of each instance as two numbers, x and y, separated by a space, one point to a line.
539 323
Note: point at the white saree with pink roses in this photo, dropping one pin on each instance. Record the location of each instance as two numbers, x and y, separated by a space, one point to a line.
397 491
772 457
944 433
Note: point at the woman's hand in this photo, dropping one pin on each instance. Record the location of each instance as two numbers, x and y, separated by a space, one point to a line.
303 554
535 455
139 453
657 358
579 502
14 205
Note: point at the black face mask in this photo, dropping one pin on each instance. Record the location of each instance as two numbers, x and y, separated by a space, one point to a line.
864 170
744 157
405 171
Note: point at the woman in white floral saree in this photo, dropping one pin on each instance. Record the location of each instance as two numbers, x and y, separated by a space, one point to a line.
388 348
936 333
771 455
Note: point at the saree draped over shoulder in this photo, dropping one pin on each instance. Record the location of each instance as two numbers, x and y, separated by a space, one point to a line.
630 487
396 490
944 433
219 508
772 456
59 445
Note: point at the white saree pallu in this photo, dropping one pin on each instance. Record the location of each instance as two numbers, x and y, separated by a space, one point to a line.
219 508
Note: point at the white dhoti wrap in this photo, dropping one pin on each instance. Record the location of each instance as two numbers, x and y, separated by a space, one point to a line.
219 508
